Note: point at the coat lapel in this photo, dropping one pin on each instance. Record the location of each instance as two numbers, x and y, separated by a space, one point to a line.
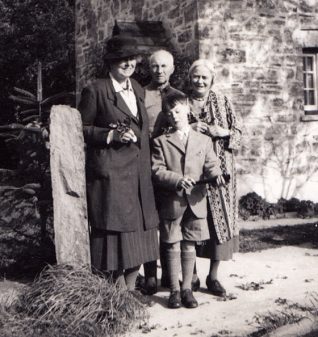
192 146
119 102
175 140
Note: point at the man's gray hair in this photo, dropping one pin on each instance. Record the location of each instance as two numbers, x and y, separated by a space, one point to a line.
162 51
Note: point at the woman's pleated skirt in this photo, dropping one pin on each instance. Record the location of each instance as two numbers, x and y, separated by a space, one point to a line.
118 251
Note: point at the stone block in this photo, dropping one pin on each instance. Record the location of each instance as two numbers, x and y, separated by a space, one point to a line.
204 33
186 36
296 89
67 160
190 13
158 9
278 102
230 55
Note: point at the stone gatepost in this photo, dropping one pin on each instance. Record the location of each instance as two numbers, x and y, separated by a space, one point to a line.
69 186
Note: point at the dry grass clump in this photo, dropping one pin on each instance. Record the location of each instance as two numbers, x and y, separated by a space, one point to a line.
68 302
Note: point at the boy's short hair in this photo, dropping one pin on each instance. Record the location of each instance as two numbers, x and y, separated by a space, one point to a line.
171 100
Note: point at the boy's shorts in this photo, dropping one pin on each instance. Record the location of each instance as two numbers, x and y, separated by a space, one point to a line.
187 227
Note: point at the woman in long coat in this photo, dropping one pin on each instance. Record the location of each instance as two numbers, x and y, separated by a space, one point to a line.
121 207
213 114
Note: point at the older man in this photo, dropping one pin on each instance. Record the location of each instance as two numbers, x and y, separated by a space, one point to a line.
161 64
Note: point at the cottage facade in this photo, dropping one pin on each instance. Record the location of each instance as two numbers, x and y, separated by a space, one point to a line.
265 54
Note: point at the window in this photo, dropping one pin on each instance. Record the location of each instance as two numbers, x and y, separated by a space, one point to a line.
310 75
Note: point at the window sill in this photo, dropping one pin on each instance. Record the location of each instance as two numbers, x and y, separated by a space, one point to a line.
309 118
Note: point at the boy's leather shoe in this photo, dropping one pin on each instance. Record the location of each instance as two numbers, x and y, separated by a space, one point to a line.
215 287
195 285
187 299
174 301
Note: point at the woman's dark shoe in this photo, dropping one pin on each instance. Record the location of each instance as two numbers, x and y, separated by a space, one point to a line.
187 299
150 286
195 285
215 287
174 301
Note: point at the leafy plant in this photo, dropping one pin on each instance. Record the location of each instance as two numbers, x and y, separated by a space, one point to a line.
33 31
29 138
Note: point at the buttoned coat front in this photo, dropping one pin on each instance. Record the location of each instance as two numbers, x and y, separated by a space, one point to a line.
119 188
172 160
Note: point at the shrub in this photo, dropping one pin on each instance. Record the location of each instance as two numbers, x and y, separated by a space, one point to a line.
71 302
252 204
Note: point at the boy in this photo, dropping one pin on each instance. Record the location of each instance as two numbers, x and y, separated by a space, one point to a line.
180 158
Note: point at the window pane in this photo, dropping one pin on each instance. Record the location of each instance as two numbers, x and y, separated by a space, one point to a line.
306 97
311 97
310 81
309 63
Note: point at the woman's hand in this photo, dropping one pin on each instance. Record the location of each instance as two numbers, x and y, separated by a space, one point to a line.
218 131
201 127
125 137
220 181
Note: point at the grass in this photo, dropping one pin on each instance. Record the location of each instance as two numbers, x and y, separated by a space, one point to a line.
260 239
290 313
71 302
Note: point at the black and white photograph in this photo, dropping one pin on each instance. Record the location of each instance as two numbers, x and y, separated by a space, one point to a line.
159 168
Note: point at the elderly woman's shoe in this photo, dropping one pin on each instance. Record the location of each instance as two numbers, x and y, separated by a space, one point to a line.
187 299
215 287
174 301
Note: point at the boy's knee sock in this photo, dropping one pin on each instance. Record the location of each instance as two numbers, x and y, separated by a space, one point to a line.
187 263
173 267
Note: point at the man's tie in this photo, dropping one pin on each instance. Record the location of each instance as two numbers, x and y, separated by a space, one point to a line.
184 139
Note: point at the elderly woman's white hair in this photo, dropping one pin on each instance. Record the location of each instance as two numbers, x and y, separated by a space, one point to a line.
205 63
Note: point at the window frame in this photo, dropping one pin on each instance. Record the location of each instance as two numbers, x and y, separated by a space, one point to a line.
311 109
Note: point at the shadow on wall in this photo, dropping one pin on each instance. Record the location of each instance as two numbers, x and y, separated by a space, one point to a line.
288 164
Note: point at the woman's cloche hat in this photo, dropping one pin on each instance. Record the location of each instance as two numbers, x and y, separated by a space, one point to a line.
120 47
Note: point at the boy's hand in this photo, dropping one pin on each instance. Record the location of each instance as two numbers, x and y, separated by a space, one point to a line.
185 183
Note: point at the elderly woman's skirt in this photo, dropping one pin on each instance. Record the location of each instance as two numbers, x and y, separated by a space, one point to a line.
214 250
117 251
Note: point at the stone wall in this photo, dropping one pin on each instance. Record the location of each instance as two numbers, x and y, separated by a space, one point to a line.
95 20
256 46
257 55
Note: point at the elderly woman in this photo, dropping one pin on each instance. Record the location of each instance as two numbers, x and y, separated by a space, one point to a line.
213 115
121 206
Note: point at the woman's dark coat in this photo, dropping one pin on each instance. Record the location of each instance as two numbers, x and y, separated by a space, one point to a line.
119 188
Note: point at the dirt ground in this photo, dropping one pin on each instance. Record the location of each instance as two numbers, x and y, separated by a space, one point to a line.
276 281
